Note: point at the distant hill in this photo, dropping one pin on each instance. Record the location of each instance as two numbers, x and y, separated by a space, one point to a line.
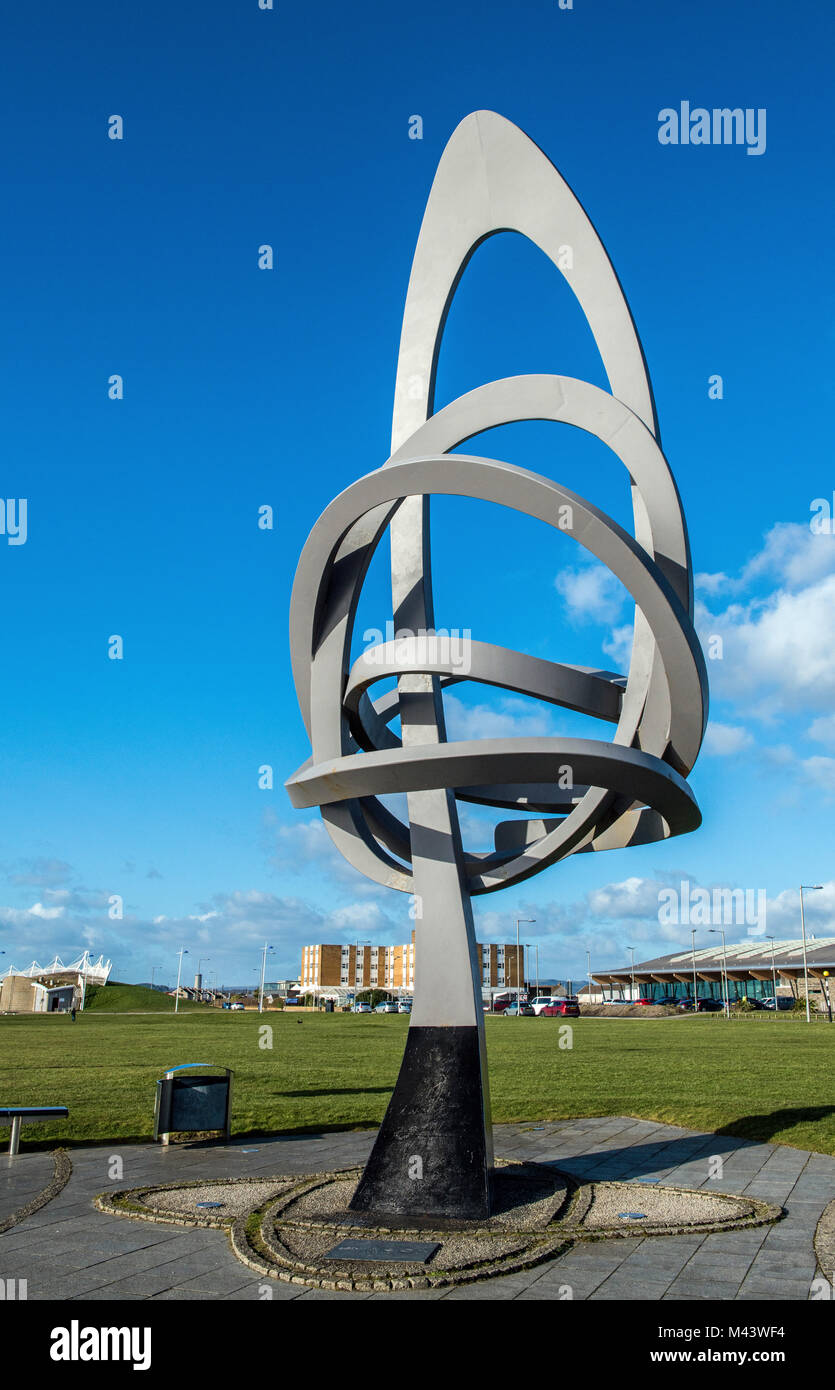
118 998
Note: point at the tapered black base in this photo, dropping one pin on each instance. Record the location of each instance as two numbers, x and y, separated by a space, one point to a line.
430 1156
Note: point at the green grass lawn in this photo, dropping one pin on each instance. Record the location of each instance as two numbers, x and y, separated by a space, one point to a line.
761 1078
118 998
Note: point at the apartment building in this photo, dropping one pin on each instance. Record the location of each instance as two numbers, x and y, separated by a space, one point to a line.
362 966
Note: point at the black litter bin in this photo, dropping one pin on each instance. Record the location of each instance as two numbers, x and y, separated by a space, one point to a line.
191 1104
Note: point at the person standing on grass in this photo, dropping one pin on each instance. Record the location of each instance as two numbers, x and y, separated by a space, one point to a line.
72 1013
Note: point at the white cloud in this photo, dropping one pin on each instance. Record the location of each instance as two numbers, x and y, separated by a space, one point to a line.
619 646
306 844
780 650
791 554
591 593
710 583
823 730
38 873
359 919
509 718
723 740
305 841
819 772
633 897
778 644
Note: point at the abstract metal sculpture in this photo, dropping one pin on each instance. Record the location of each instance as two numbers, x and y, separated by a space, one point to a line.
433 1154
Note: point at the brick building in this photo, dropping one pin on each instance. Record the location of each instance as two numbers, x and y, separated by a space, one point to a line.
361 966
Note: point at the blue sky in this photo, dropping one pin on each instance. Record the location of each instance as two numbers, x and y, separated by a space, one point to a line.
242 387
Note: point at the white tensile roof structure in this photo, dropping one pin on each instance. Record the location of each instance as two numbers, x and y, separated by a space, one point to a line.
95 972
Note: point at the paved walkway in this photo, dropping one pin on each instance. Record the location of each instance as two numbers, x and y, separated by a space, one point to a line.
68 1250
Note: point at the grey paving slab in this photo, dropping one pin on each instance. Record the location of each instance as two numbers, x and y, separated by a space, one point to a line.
214 1281
70 1250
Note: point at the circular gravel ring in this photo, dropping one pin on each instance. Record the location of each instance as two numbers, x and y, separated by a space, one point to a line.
670 1210
255 1233
256 1241
136 1202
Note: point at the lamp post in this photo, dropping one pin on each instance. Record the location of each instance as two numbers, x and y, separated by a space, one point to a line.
263 970
200 960
721 931
632 987
154 969
773 972
182 952
693 954
810 888
537 969
518 984
588 972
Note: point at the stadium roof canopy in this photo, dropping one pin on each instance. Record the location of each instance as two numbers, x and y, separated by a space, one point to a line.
95 972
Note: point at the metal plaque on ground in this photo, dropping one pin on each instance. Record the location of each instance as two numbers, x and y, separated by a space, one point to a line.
394 1251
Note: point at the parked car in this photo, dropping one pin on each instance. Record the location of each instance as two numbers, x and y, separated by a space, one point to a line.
710 1006
233 1007
387 1006
524 1009
782 1001
541 1002
404 1006
499 1005
362 1009
643 1000
684 1004
667 999
561 1008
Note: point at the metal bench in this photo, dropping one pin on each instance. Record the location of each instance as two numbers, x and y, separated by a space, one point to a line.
18 1113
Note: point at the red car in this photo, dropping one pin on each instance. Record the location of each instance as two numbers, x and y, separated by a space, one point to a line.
561 1008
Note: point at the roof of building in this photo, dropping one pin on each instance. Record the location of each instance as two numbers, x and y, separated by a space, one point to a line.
95 971
740 956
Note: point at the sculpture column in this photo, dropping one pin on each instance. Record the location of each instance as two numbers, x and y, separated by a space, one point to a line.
434 1149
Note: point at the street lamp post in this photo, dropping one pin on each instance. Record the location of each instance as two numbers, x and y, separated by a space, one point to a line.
588 972
182 952
518 983
810 888
200 960
632 987
773 972
721 932
263 970
693 953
